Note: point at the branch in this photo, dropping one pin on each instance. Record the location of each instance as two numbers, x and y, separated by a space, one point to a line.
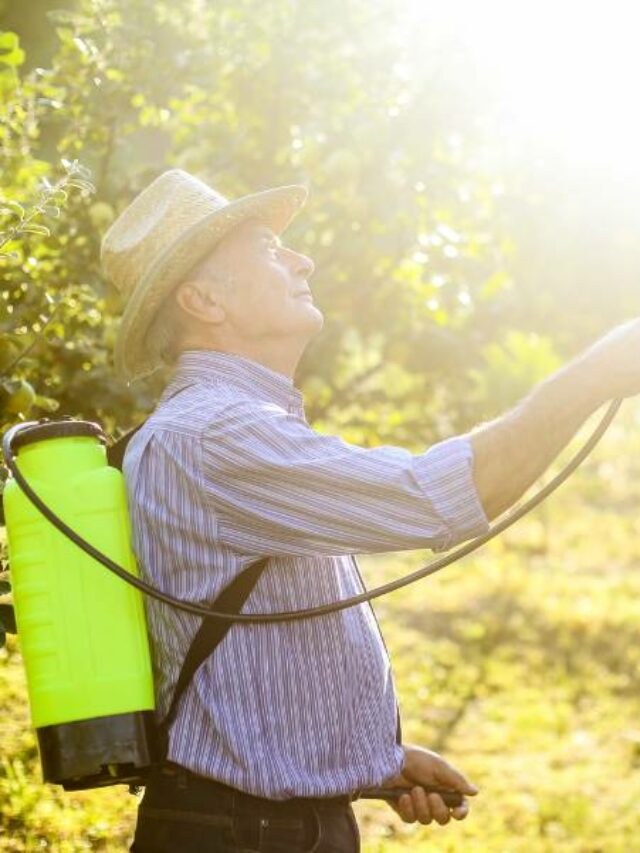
39 337
342 394
108 154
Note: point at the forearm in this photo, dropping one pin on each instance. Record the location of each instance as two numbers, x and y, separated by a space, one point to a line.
511 452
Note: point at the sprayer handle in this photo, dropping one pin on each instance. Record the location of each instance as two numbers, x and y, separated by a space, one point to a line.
391 795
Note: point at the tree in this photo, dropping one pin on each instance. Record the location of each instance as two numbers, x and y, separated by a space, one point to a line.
398 223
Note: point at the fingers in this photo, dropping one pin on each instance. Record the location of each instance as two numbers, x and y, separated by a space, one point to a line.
461 811
422 766
449 777
404 807
422 805
417 805
439 810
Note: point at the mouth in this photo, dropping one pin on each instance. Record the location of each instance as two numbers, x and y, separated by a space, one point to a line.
303 294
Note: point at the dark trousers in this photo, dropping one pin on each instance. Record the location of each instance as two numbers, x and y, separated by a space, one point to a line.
184 813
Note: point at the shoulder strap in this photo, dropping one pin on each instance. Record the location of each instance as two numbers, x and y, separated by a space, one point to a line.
209 636
116 451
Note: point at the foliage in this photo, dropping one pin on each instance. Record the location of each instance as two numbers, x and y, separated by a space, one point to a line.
400 230
48 318
512 366
418 246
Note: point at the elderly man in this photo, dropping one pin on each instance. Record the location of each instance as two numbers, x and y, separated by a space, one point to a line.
280 728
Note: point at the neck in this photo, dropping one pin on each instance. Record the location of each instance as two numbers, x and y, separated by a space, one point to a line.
279 356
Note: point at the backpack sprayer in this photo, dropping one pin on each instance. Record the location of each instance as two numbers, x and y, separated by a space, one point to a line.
83 633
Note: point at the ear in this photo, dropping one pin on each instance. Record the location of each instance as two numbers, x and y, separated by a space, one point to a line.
197 302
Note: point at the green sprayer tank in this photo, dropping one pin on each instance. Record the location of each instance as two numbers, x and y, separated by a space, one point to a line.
81 629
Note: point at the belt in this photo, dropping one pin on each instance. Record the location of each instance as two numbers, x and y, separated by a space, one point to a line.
185 778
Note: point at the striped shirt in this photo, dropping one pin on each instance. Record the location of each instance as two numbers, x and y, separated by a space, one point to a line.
227 471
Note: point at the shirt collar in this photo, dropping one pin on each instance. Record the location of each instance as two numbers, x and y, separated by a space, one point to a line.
213 366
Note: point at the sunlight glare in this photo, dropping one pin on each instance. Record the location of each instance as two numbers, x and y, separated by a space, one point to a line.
565 74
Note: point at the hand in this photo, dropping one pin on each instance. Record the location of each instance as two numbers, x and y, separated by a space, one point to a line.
612 363
425 768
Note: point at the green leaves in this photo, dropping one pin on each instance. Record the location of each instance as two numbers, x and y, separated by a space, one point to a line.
9 207
34 228
136 87
11 54
33 317
512 366
78 176
11 57
17 395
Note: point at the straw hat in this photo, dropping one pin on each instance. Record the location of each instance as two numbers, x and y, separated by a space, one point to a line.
170 226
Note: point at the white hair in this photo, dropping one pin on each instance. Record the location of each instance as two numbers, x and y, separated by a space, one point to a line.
167 333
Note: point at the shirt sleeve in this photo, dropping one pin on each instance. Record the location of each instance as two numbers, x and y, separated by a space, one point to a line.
277 486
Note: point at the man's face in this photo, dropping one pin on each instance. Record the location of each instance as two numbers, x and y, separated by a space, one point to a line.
267 295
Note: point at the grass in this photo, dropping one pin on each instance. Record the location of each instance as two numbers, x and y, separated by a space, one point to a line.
521 664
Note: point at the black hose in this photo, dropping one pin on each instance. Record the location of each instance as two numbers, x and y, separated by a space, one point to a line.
323 610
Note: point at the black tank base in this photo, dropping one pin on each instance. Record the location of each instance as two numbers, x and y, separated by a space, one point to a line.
113 750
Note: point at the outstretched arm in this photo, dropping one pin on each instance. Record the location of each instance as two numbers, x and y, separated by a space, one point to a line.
512 451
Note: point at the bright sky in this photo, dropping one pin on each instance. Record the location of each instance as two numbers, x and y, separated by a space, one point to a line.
566 73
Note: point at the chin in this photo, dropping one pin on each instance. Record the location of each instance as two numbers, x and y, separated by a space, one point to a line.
305 324
316 321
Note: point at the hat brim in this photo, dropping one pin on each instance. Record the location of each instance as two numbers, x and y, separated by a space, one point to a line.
274 207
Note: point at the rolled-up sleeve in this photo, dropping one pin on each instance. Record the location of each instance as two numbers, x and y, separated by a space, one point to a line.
277 486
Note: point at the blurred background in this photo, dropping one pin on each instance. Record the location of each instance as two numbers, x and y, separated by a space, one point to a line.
473 216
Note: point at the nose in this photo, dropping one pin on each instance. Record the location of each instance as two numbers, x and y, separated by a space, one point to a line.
303 265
